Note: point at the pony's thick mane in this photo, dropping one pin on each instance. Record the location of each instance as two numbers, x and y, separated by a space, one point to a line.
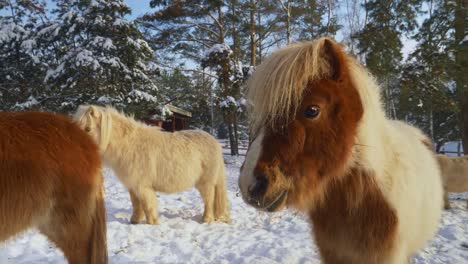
106 122
276 88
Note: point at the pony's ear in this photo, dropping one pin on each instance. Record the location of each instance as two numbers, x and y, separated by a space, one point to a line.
336 59
93 111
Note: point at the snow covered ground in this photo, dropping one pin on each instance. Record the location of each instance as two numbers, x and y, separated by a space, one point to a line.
252 237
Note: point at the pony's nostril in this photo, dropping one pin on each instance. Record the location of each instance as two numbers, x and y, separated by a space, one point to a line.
260 187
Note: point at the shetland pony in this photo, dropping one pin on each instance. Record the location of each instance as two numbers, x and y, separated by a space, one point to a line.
50 178
147 159
321 143
454 175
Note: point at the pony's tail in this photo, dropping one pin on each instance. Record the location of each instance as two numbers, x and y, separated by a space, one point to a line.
221 205
98 239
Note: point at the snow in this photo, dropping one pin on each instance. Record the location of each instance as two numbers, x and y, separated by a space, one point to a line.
28 44
103 42
86 58
165 112
68 15
138 96
217 49
451 148
420 104
119 22
252 237
104 99
11 31
28 104
228 102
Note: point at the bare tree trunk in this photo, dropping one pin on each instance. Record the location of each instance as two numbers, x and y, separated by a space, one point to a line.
287 10
461 60
235 35
226 85
431 124
367 13
329 4
288 22
236 135
232 142
253 47
259 45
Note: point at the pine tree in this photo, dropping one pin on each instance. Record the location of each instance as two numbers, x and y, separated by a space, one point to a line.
429 82
206 32
379 42
21 62
432 82
305 20
460 47
101 57
311 20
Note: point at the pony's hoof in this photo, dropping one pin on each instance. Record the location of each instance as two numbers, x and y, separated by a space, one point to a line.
152 221
207 219
224 219
136 220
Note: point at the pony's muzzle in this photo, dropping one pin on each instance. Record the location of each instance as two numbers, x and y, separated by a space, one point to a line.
256 196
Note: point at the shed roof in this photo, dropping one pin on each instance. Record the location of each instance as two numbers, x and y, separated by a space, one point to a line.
178 110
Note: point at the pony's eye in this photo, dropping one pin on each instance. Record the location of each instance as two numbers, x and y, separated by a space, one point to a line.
312 111
87 129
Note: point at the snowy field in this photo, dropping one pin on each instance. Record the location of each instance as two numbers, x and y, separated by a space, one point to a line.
252 237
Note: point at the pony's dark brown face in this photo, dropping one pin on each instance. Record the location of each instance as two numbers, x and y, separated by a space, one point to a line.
293 164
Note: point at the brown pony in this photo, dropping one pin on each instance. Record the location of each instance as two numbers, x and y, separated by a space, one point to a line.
50 178
321 143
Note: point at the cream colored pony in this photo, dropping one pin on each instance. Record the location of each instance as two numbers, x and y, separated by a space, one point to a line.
454 175
147 159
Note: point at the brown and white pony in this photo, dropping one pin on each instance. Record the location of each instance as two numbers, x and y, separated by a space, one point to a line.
454 175
50 178
322 144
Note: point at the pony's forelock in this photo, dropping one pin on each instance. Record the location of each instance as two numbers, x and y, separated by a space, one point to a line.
106 128
276 88
106 122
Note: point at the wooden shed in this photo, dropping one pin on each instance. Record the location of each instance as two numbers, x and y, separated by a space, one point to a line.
178 120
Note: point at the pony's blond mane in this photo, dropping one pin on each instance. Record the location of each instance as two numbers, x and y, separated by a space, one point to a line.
106 122
276 88
110 117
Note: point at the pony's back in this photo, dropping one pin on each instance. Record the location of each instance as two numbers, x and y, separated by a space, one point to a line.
454 173
51 179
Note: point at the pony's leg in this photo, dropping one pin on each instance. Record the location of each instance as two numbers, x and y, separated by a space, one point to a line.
70 231
221 205
149 204
446 201
398 256
329 257
207 192
138 214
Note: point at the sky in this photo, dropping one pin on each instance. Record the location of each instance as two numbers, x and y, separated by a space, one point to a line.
140 7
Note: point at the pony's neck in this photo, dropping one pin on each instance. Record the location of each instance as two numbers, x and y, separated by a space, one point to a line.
372 133
355 215
121 129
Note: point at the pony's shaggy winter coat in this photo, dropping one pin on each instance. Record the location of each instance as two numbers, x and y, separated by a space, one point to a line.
370 185
50 178
147 159
454 175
